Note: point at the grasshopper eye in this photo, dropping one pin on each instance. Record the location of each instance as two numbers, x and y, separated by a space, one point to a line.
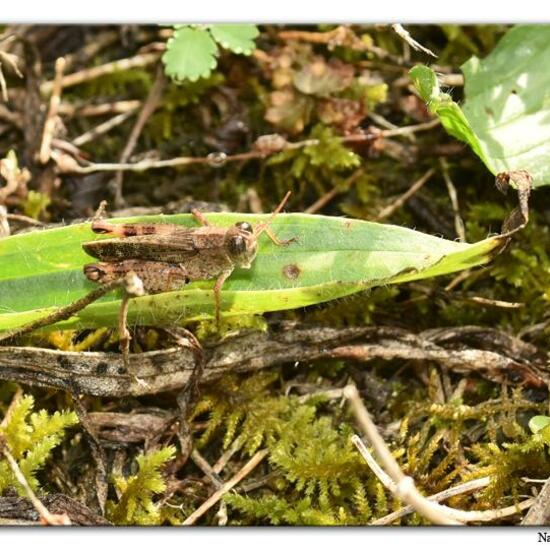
245 226
237 245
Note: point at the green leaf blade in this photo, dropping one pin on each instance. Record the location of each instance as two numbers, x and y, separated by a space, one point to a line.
333 257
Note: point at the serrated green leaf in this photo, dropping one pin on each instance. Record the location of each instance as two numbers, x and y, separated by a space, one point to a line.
506 113
237 38
190 54
334 257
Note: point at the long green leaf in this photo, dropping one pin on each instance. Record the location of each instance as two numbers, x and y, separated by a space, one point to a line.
334 257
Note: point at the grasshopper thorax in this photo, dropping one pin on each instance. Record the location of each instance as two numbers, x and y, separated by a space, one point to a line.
241 244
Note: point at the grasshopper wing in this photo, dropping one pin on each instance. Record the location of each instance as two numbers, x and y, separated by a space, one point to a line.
176 247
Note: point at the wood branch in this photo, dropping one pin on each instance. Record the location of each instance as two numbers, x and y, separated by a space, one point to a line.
103 374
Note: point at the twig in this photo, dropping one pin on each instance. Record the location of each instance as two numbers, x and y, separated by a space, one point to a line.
237 478
25 219
16 397
208 471
221 463
11 117
493 303
412 129
98 452
114 107
450 79
149 107
4 225
404 488
90 50
336 393
467 487
11 60
391 208
327 197
140 60
102 128
459 224
101 373
212 158
51 117
405 35
45 515
340 36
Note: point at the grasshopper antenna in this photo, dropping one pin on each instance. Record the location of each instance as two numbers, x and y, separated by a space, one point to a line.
263 226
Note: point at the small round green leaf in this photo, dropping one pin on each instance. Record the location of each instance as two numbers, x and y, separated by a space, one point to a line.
237 38
190 54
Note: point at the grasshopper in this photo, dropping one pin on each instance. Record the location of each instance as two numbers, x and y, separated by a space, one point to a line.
166 257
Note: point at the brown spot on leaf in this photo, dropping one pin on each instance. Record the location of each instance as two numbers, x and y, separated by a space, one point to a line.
291 271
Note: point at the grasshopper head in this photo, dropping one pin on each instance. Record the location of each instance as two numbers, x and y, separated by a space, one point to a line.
241 239
241 244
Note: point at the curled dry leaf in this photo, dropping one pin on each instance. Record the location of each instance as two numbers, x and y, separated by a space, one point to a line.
322 79
289 110
344 114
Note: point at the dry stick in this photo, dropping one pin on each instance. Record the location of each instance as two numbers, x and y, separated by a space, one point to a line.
114 107
340 36
25 219
49 124
494 303
89 51
480 516
149 107
14 400
405 488
11 60
144 165
412 129
390 209
63 313
3 85
467 487
459 224
4 225
237 478
140 60
208 471
405 35
102 128
45 515
327 197
10 117
221 463
98 453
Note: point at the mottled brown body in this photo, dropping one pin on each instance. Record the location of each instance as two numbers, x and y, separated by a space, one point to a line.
155 276
166 257
181 255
